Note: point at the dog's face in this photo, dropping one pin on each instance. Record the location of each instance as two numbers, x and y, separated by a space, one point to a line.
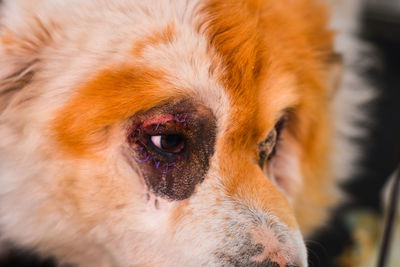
164 133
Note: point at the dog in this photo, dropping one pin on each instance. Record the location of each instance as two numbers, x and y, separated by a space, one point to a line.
166 133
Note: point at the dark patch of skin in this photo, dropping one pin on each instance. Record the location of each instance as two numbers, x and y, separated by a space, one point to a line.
174 175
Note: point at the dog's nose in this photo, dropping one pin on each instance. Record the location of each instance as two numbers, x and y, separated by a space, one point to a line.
268 263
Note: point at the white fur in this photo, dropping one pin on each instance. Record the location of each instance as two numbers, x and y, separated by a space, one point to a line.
351 114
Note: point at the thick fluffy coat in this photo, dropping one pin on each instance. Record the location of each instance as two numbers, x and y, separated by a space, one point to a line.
88 87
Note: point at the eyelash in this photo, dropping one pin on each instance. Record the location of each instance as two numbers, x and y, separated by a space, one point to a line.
278 128
265 155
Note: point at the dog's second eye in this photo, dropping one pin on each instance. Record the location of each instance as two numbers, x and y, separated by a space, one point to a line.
268 147
172 143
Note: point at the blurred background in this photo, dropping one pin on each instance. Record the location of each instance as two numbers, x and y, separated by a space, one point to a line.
353 235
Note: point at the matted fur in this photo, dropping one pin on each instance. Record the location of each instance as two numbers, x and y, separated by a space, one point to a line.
74 75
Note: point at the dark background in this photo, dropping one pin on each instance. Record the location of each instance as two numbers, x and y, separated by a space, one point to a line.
381 27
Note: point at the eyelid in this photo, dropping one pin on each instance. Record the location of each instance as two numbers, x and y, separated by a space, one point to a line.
267 148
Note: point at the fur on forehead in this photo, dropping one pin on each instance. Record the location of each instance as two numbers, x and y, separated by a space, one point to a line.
161 38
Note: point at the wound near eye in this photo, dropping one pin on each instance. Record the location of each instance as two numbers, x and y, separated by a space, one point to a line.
180 119
144 156
173 175
157 163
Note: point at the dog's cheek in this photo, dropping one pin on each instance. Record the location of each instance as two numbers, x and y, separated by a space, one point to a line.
284 168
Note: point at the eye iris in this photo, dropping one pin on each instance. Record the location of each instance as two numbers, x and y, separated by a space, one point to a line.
170 143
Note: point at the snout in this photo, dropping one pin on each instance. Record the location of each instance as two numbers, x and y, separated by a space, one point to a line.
261 240
262 229
259 256
266 254
245 259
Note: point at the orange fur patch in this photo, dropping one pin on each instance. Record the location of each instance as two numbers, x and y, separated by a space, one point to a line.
157 37
179 211
275 54
113 95
6 39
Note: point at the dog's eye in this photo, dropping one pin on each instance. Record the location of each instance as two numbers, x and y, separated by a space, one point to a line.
170 148
172 143
267 148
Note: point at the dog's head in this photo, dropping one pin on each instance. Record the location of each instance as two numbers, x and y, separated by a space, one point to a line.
164 133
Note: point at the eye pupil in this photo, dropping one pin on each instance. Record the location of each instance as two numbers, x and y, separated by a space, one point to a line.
169 141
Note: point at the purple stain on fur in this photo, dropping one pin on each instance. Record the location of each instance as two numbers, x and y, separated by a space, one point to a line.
181 120
166 167
177 167
156 163
157 126
142 160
